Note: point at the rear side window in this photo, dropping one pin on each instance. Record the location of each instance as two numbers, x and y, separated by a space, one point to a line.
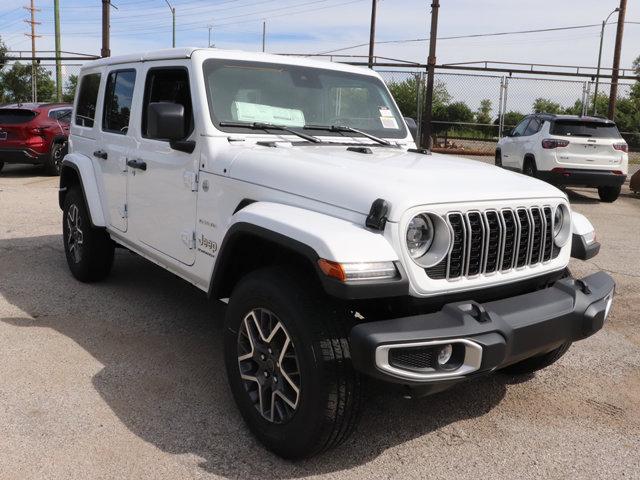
577 128
533 127
60 113
117 101
87 99
520 128
9 116
168 85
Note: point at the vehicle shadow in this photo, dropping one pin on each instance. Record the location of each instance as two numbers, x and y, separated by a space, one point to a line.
159 341
21 171
581 198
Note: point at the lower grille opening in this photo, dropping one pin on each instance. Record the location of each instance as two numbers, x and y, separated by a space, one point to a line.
413 358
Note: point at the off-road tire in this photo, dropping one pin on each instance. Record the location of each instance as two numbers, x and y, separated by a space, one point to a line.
539 362
54 162
498 158
95 258
330 394
609 194
529 168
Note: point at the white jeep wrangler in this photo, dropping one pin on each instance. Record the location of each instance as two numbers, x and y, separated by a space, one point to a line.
293 189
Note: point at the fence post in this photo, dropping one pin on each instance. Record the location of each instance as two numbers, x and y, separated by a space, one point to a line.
500 112
586 91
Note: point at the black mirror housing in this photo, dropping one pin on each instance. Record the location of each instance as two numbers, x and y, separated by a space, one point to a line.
412 126
165 121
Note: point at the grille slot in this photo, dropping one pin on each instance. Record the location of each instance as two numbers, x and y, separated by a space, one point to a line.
412 358
494 241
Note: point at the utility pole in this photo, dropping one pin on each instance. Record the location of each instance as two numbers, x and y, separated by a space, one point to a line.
105 51
264 35
372 32
173 16
595 95
34 65
425 136
56 18
613 94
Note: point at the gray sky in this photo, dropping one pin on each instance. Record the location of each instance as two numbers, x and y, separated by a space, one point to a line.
310 26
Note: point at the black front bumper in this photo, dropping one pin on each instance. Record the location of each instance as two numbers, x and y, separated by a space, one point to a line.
582 177
22 155
507 330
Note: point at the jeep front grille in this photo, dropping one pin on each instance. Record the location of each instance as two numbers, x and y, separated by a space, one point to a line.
496 241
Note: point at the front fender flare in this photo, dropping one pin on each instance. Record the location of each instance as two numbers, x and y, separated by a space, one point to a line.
83 169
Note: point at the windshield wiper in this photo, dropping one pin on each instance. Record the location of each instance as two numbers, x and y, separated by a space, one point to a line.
269 126
344 128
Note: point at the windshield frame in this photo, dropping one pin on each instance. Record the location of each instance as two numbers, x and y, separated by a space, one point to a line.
399 134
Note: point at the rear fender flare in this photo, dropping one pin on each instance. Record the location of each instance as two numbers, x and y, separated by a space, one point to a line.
77 168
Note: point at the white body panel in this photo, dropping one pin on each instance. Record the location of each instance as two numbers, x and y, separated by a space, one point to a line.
319 195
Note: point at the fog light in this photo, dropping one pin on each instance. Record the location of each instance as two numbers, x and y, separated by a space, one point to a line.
444 354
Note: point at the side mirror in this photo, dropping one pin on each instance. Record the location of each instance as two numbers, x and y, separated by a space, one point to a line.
165 121
412 126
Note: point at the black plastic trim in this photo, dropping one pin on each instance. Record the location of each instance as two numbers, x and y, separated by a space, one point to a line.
63 188
582 251
578 177
512 329
333 287
22 155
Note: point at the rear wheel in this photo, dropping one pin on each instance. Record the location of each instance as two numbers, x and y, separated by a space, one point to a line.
1 166
498 158
609 194
529 167
288 364
89 250
54 162
539 362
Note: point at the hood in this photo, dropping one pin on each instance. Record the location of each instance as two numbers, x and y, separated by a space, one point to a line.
352 180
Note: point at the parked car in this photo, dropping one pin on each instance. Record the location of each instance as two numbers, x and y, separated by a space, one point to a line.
568 150
292 189
34 133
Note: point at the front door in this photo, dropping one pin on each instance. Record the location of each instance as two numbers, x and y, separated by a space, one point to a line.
162 180
116 143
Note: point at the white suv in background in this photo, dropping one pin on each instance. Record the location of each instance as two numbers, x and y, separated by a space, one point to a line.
568 150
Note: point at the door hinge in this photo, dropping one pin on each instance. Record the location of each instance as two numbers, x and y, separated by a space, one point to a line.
191 180
124 212
189 239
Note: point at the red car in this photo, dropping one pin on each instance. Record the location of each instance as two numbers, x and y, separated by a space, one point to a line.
34 133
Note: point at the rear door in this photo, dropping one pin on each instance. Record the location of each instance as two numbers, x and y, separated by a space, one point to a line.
116 142
512 145
590 143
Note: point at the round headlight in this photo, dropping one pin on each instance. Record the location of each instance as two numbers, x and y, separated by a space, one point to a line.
419 235
558 221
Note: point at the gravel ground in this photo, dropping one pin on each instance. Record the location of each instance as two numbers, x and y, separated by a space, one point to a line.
123 379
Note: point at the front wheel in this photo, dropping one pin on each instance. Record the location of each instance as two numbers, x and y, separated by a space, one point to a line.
539 362
89 250
609 194
529 168
498 159
288 364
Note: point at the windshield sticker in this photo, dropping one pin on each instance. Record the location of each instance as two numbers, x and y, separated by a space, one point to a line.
389 122
385 112
255 112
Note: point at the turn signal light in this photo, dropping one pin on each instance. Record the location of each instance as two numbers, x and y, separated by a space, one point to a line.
358 271
554 143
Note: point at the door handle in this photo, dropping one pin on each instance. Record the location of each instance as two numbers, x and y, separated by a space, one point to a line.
100 154
139 164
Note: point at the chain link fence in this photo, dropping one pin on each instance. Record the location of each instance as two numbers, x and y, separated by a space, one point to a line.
17 83
472 111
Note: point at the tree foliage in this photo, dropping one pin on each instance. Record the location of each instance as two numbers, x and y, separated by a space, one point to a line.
16 84
69 90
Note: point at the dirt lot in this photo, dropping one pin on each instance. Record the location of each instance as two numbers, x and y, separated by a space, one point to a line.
123 379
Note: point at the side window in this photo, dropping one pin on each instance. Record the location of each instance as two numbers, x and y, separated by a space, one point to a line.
520 128
117 101
533 127
87 98
168 85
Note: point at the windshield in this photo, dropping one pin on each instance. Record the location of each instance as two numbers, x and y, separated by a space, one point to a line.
294 96
577 128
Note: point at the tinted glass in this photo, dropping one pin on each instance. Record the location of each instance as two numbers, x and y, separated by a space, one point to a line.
60 114
117 101
10 116
295 96
521 127
87 98
533 127
577 128
168 85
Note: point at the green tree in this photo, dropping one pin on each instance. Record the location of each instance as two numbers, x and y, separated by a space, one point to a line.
3 53
483 115
543 105
16 84
405 94
636 66
70 89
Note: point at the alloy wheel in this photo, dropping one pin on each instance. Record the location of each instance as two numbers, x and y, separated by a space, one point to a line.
269 365
74 233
